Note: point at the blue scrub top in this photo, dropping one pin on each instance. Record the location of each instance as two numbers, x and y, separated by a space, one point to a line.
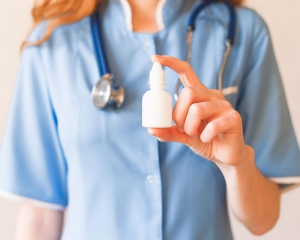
118 181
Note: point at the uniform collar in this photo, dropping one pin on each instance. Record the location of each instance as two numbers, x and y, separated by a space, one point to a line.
167 12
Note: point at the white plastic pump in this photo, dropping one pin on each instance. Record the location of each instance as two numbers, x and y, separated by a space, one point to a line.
157 103
157 75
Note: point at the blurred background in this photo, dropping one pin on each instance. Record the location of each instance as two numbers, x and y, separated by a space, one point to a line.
283 19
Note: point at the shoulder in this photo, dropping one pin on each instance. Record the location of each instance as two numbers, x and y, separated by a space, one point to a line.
250 23
59 48
55 56
62 35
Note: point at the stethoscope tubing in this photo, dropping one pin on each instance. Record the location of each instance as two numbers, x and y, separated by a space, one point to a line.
101 58
228 45
202 6
102 62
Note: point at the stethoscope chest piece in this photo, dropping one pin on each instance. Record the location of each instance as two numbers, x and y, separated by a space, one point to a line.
103 94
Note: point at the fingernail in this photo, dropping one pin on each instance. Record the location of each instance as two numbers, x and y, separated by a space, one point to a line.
153 58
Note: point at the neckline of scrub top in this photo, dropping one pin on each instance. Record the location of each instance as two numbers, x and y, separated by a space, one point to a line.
171 9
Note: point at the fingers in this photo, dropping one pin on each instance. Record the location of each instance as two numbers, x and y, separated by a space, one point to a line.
220 117
187 98
199 112
202 113
173 135
168 134
226 123
184 70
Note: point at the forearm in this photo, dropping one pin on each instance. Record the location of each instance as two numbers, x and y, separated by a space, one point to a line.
37 223
208 124
253 199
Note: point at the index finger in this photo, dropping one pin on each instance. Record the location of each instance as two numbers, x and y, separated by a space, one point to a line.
184 70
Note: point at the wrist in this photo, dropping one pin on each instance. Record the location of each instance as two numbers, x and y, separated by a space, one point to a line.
245 164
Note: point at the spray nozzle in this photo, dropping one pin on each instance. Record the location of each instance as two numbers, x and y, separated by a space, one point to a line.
157 74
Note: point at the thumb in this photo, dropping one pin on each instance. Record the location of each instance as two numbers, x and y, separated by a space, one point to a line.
169 135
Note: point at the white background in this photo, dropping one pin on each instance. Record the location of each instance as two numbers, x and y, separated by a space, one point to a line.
283 19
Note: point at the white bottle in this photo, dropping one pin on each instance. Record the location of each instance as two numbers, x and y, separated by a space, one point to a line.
157 103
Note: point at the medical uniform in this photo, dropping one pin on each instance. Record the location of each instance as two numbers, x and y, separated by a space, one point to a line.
117 181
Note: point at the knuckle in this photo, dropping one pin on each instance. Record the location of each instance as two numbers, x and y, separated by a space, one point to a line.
187 92
218 94
226 104
234 115
196 109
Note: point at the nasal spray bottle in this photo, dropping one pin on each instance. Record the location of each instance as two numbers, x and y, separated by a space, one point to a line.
157 103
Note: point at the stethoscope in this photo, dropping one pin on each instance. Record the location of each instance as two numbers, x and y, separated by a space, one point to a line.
104 93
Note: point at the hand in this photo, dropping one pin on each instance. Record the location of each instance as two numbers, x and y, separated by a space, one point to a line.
204 120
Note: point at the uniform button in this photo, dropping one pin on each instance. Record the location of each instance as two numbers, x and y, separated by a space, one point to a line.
150 179
146 45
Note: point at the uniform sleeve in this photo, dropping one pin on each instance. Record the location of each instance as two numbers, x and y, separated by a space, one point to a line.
32 164
266 119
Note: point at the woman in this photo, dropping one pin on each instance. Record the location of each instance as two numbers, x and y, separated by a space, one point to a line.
116 179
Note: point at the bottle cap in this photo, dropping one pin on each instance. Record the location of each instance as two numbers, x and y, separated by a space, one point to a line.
157 74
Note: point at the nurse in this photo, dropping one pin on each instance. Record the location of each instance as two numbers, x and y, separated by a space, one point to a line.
118 181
